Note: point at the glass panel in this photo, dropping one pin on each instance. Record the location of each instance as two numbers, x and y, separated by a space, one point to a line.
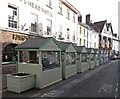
33 57
92 57
29 56
84 57
50 60
70 58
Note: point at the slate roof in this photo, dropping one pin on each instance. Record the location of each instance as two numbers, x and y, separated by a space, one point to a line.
63 45
79 48
33 43
98 26
89 50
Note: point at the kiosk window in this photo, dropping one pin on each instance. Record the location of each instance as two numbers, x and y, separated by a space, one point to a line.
70 58
50 60
92 57
84 57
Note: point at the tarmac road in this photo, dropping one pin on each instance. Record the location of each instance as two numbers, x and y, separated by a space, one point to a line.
102 81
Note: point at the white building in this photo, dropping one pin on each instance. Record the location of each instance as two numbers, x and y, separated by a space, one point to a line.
115 43
57 18
21 19
88 37
28 16
66 21
82 35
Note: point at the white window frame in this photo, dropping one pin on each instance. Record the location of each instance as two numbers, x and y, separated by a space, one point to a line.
13 17
49 26
68 14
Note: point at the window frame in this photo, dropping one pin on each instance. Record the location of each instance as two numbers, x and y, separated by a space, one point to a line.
48 60
68 14
34 24
12 22
60 7
72 56
49 28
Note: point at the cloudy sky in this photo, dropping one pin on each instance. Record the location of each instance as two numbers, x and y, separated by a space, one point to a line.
99 10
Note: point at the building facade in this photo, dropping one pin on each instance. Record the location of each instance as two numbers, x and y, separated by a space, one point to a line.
88 36
24 19
66 19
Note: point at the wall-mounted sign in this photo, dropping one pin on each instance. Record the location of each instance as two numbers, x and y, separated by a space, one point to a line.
20 37
37 7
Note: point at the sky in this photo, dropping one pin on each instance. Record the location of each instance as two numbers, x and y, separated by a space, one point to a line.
99 10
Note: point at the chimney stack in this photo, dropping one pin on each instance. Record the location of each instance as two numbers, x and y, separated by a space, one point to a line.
80 18
88 19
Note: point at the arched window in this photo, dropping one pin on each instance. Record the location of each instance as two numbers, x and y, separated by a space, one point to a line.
9 54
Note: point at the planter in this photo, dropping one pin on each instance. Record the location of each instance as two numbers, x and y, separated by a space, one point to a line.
20 82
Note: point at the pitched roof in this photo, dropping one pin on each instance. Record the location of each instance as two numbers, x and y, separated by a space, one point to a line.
33 43
96 50
89 50
79 48
63 45
98 26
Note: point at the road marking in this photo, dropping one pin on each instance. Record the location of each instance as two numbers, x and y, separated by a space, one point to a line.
52 93
36 95
105 88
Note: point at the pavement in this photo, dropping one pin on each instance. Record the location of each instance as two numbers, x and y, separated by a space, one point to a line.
66 87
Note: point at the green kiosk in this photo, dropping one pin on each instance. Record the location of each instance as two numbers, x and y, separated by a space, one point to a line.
96 57
90 58
69 67
81 59
42 57
101 57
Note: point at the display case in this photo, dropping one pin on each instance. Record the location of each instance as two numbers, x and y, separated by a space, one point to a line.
81 59
69 67
41 56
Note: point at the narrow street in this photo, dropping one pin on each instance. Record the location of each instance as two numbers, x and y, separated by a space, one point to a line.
102 81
